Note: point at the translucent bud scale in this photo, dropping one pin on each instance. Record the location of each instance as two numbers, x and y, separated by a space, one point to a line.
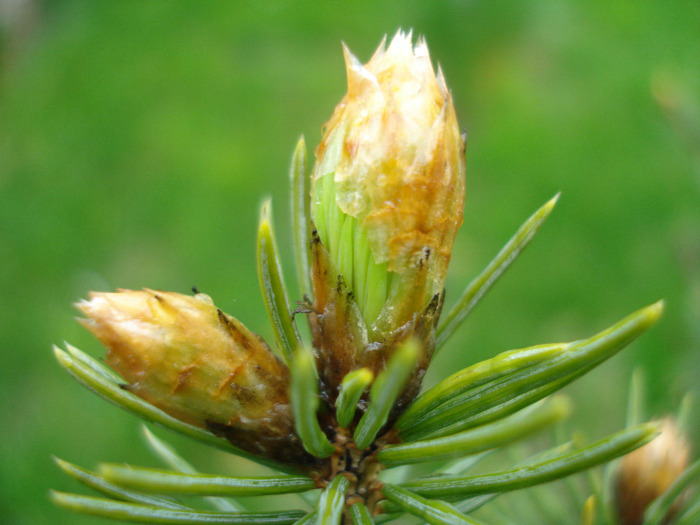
392 163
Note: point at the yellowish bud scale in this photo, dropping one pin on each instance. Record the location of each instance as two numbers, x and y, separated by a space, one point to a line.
198 364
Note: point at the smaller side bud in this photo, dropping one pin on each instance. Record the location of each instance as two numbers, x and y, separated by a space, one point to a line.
646 473
185 356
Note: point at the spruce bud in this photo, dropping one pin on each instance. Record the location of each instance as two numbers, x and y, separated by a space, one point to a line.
387 200
198 364
646 473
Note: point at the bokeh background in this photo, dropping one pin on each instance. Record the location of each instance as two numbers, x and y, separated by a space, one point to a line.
137 140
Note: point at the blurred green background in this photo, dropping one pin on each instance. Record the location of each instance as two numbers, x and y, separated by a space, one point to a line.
137 140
